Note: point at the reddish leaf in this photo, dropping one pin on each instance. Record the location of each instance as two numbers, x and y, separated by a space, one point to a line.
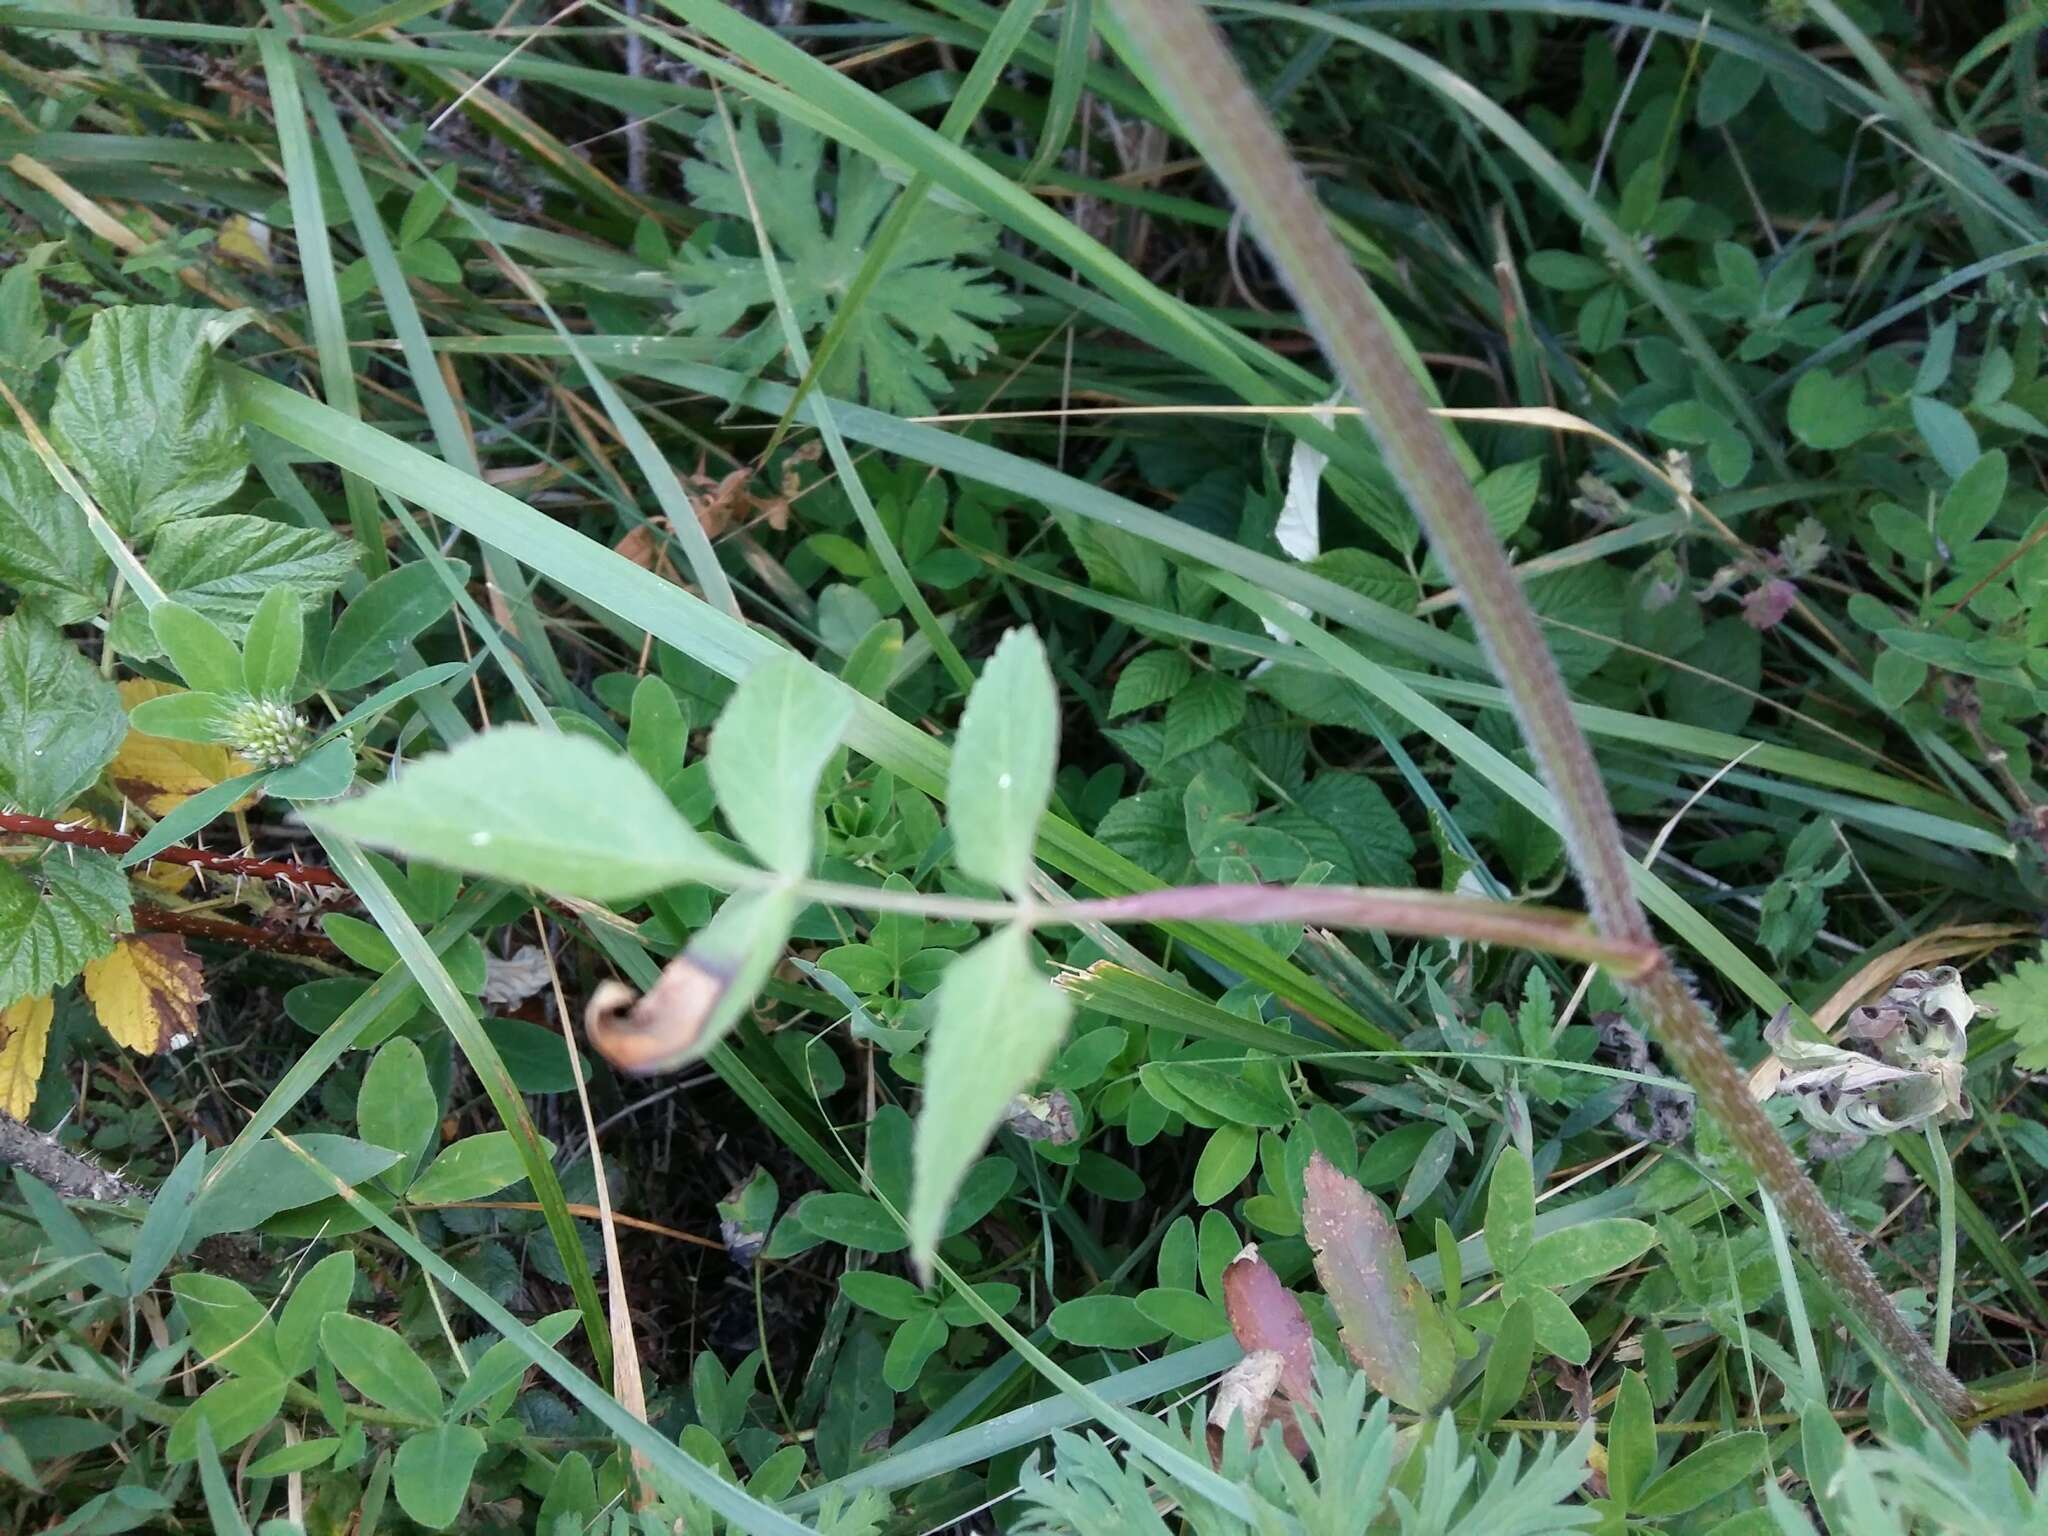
1265 1316
1390 1326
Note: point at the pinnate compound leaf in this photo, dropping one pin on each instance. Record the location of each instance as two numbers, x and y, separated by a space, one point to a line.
431 1473
147 991
1389 1324
60 721
998 1023
1003 763
378 1363
142 420
534 807
55 915
24 1040
701 993
47 553
772 740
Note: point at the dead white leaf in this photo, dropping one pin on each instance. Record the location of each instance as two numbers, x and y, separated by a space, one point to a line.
513 980
1299 530
1246 1391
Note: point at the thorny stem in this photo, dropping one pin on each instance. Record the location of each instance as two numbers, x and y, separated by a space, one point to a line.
1189 64
84 835
283 941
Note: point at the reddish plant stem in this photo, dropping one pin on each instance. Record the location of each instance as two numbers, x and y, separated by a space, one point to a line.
163 920
83 836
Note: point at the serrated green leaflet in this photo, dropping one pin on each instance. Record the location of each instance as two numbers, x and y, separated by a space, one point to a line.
60 721
47 553
141 418
55 915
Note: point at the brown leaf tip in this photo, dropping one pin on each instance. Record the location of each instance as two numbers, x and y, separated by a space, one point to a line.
643 1034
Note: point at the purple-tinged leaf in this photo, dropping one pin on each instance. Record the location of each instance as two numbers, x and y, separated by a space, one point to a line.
1390 1327
1265 1316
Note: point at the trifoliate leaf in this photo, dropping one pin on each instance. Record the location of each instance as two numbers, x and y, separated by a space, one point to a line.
923 298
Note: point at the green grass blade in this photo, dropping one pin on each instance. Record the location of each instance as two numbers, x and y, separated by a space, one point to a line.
1077 27
316 272
880 545
1519 785
443 415
462 1023
1621 248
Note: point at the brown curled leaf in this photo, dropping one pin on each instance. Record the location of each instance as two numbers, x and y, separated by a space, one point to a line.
638 1033
702 992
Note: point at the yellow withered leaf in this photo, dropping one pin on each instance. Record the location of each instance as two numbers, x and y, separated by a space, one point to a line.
147 991
245 240
157 773
24 1037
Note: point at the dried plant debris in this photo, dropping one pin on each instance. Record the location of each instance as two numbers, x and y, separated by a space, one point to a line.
1645 1111
1900 1066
